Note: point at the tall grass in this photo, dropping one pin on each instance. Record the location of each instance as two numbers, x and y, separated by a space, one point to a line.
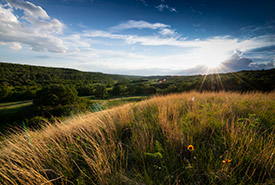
146 143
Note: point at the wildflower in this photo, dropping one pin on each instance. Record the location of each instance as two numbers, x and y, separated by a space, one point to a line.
226 161
190 147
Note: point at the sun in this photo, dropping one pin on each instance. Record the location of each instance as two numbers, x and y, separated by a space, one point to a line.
212 56
212 64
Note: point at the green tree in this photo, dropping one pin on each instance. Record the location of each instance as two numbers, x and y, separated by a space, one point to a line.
5 91
54 95
116 90
130 89
151 90
140 89
85 90
100 91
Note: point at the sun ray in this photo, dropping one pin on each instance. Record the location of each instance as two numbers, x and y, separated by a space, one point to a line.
220 81
229 70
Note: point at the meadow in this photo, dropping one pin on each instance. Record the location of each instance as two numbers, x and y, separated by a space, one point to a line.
12 114
187 138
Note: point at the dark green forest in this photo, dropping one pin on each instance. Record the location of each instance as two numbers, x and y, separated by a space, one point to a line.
21 82
58 92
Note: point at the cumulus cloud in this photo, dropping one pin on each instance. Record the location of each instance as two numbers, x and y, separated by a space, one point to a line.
237 63
31 11
34 28
262 65
167 31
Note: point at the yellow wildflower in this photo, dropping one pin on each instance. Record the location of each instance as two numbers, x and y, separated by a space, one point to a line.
226 161
190 147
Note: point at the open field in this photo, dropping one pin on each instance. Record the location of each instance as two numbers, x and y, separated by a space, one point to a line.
232 138
13 113
113 102
13 105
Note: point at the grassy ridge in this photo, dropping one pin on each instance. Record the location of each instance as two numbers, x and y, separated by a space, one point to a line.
13 113
146 143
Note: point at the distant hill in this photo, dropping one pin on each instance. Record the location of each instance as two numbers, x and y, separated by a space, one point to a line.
21 82
26 74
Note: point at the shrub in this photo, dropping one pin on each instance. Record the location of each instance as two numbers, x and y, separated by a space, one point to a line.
54 95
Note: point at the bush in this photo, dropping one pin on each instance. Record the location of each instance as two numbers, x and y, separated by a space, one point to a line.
54 95
116 90
100 91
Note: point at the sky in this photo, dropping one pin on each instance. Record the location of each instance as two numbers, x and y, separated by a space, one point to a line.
140 37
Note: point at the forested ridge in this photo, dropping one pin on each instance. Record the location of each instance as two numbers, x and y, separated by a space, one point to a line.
17 74
21 82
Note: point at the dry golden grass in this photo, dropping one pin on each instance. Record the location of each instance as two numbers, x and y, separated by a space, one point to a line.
146 143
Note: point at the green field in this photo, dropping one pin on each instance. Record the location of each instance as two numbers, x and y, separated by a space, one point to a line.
105 103
13 105
13 113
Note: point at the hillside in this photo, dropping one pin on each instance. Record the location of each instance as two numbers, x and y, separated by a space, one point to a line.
12 73
188 138
21 82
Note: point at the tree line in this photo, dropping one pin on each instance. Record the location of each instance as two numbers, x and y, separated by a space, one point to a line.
23 82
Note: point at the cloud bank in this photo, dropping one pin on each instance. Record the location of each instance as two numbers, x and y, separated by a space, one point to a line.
235 63
34 28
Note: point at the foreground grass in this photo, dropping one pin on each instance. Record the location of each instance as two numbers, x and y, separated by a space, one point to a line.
146 143
13 113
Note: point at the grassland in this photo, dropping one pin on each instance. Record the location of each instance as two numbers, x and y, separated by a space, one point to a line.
147 143
13 105
13 113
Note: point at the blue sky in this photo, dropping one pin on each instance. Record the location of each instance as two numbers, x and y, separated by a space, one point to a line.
139 37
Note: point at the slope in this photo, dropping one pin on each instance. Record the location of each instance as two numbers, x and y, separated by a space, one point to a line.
231 138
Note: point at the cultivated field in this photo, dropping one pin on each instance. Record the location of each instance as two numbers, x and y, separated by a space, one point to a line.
189 138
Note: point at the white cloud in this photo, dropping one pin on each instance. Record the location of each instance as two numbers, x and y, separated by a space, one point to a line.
7 16
15 46
132 24
223 43
237 63
167 31
34 28
193 53
161 7
31 11
262 65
